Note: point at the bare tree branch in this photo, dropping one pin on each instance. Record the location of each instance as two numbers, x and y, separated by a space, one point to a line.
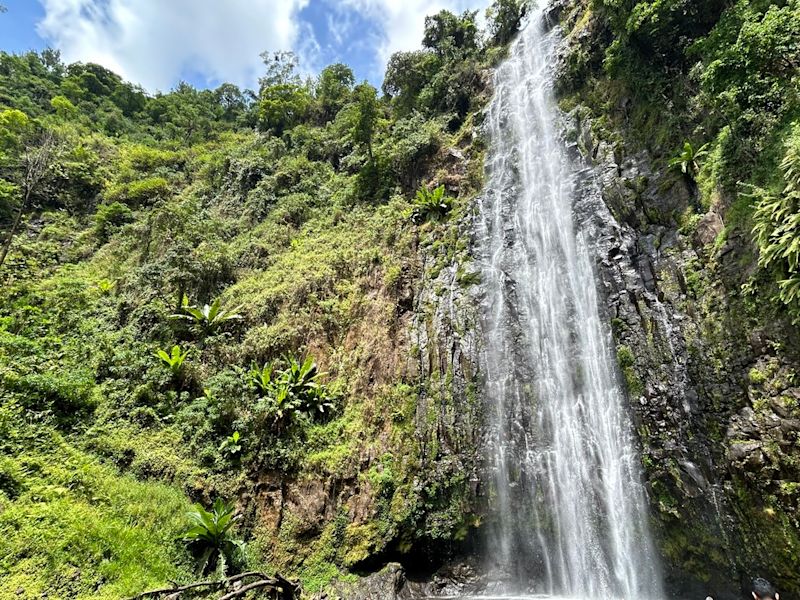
284 587
36 161
248 588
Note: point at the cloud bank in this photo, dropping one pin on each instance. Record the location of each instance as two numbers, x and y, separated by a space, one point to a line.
156 43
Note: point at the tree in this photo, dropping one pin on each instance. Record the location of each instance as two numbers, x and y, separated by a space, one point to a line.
407 74
63 107
232 101
333 88
39 151
366 117
280 69
451 35
282 106
504 18
185 114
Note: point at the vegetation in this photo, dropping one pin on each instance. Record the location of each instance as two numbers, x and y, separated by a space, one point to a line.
431 205
174 360
212 535
294 392
687 159
777 228
673 70
209 319
283 214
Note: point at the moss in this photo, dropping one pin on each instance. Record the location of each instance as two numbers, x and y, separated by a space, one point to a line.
625 357
626 361
756 376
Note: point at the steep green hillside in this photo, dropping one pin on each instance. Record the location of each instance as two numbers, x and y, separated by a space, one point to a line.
302 220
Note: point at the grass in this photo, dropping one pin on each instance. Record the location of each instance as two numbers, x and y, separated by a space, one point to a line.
73 527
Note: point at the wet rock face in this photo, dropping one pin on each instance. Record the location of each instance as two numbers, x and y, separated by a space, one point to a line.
393 583
387 584
714 400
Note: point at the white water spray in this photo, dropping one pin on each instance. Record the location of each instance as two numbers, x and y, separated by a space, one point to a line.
571 515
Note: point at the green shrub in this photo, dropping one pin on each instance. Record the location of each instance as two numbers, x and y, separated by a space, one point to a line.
140 192
431 205
109 218
212 537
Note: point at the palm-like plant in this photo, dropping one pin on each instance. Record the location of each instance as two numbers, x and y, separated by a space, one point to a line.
687 159
294 392
261 378
212 532
431 205
209 319
174 360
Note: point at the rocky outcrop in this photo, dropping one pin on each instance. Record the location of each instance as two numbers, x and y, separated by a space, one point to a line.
711 381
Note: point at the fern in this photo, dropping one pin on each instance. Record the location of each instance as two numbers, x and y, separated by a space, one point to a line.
777 229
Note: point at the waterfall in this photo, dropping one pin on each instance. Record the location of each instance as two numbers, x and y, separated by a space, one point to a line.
571 514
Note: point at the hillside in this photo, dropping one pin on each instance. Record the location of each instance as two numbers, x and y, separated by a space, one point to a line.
273 298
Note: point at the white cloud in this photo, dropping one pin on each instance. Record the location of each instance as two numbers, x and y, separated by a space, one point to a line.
154 42
403 21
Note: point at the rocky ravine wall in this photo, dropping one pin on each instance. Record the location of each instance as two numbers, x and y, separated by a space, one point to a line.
712 382
711 379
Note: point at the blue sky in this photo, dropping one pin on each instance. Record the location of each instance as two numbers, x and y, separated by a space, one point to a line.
157 43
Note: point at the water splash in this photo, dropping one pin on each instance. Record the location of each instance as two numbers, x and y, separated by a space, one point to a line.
571 512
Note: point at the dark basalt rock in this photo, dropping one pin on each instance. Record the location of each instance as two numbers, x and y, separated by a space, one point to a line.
714 439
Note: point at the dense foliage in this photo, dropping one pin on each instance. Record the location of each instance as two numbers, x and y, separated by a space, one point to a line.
160 246
714 84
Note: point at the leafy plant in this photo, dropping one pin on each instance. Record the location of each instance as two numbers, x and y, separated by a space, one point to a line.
106 287
431 205
209 319
687 159
212 534
777 229
231 444
261 378
295 392
174 360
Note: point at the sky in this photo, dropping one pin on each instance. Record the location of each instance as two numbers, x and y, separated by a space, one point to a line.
157 43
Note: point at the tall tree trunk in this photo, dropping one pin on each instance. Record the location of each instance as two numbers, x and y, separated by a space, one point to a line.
17 219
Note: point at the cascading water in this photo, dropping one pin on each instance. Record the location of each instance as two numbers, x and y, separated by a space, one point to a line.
571 515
